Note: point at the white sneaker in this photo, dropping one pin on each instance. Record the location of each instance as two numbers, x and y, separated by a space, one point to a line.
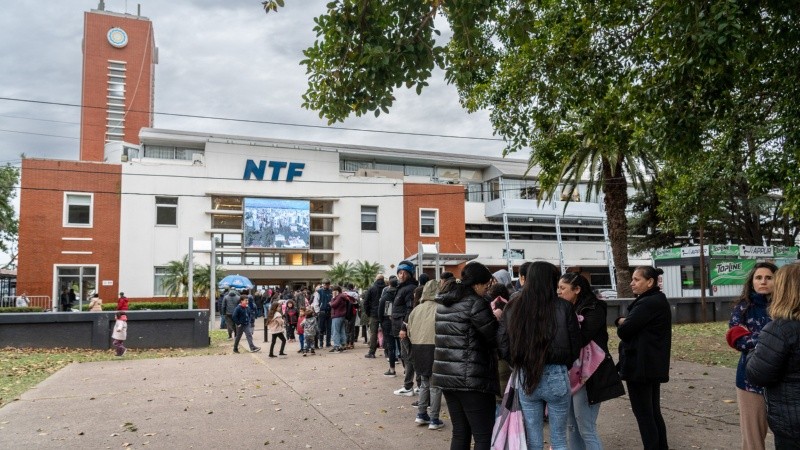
416 390
404 392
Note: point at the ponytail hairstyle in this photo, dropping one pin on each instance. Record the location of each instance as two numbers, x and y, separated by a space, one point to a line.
531 322
576 280
472 274
650 272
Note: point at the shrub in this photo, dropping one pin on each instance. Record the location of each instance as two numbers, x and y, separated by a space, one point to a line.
14 309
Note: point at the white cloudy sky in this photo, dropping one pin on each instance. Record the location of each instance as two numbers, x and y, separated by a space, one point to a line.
216 58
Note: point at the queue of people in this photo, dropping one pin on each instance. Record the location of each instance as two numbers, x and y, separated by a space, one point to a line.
465 339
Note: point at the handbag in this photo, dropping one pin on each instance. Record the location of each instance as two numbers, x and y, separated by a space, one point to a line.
509 427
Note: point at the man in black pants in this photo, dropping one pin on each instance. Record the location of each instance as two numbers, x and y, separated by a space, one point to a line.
371 305
324 317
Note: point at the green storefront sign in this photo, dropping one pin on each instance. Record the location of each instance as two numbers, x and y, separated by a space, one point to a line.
725 250
667 253
725 272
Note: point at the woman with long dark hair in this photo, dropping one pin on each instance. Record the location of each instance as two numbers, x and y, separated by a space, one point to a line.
604 383
465 361
644 349
749 317
539 337
775 363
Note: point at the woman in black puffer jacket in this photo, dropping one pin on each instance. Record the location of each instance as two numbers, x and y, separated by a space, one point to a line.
775 362
465 363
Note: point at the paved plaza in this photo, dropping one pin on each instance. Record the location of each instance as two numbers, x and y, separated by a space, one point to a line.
327 401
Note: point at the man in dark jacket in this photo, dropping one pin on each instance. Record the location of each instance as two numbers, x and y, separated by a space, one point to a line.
241 317
324 317
401 308
371 304
385 317
229 305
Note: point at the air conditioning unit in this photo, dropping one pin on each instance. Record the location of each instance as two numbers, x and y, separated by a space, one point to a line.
198 158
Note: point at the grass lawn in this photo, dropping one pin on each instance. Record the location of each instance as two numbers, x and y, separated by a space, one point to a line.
702 343
21 369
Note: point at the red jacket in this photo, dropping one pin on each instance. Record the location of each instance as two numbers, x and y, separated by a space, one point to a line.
339 305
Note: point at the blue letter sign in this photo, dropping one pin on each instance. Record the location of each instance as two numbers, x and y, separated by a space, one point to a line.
251 169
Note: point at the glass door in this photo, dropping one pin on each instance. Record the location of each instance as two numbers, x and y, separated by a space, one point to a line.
80 282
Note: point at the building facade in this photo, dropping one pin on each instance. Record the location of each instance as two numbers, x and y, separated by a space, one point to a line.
280 212
117 90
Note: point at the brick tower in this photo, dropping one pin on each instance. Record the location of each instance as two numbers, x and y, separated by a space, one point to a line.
119 57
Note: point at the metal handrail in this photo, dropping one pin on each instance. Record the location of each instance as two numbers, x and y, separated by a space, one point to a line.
41 301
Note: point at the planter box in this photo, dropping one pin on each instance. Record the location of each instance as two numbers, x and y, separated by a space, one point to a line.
146 329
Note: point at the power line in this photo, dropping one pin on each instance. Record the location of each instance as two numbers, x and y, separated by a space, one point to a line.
261 122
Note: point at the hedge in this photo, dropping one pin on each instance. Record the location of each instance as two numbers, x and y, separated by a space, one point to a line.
135 306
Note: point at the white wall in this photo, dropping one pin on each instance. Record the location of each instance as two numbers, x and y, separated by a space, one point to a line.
144 245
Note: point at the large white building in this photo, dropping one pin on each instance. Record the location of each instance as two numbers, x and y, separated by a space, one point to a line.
365 203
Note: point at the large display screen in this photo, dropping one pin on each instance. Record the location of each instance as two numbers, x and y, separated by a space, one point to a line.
276 223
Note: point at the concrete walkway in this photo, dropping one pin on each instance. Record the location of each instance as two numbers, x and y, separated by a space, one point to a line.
327 401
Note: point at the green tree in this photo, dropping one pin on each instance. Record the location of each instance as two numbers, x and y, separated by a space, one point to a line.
176 278
597 90
202 279
365 273
9 225
342 273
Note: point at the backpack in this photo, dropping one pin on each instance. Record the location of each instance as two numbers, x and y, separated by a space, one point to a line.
348 311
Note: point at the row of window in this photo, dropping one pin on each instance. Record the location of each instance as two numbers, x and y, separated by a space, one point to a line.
78 212
115 101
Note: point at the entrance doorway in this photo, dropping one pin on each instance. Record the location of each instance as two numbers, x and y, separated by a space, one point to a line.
81 280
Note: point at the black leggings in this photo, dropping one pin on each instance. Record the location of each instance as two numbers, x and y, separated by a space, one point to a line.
472 414
646 405
275 338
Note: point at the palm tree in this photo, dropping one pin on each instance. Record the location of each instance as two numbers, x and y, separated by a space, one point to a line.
341 273
202 279
176 280
365 273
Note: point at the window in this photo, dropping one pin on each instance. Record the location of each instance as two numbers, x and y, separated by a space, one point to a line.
690 276
369 218
160 274
170 152
321 207
77 210
227 203
166 210
424 171
428 222
226 222
115 97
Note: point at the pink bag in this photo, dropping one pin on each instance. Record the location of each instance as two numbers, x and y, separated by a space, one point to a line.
380 337
509 427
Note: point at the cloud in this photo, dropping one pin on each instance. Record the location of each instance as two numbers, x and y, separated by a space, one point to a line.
222 59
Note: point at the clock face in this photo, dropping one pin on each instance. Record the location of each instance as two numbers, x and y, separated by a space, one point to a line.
117 37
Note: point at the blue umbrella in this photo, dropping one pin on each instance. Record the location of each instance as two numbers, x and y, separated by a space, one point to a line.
235 281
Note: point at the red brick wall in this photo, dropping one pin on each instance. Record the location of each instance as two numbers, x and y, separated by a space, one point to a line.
41 223
449 200
138 85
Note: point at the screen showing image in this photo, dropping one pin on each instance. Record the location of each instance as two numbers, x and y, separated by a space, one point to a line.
275 223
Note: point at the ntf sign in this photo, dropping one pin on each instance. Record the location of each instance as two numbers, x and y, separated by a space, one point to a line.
293 169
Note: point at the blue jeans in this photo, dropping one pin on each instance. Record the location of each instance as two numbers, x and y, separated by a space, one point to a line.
553 389
582 423
302 339
337 333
